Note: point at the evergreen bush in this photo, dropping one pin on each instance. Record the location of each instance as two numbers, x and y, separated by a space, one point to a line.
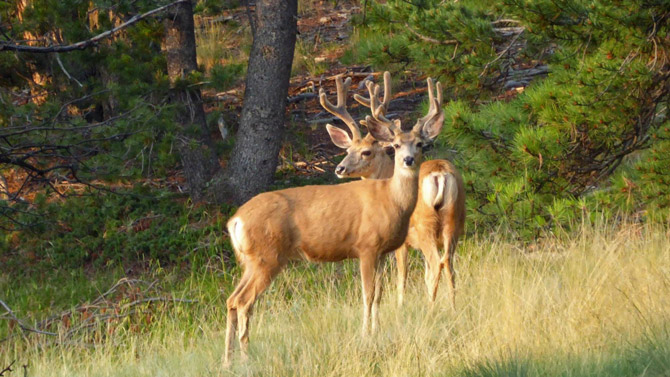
590 130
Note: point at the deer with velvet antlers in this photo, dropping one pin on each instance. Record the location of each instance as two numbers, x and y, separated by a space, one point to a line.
361 219
439 216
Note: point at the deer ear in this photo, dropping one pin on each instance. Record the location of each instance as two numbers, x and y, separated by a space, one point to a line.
339 136
379 130
432 127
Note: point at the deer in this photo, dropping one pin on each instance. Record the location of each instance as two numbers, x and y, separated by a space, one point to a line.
363 219
439 217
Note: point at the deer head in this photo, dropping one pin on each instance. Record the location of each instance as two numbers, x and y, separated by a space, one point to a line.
366 156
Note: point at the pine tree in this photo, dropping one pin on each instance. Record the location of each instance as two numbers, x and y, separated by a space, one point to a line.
592 133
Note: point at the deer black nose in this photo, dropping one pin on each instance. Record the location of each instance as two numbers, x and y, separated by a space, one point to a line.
339 169
409 161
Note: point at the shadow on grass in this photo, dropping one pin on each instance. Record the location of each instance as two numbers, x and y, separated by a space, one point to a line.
650 356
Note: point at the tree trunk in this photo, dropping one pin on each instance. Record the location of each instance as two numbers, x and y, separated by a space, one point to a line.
193 142
254 158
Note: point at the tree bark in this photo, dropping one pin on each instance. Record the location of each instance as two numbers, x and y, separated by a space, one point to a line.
193 142
253 161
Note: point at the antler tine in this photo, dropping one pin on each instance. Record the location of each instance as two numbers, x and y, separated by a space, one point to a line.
340 110
387 94
378 109
435 104
387 91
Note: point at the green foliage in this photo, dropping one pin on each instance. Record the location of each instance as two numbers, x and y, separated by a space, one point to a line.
223 76
104 229
97 114
591 134
115 123
214 7
460 32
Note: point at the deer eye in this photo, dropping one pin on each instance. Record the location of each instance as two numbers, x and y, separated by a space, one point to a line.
366 153
419 145
396 146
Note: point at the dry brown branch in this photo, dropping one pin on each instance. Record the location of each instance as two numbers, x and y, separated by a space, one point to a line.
509 31
120 301
12 317
302 97
506 21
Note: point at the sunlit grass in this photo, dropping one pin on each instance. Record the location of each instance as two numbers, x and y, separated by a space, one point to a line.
221 44
306 59
596 303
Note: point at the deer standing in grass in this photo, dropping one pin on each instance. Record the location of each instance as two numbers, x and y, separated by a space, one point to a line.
439 216
361 219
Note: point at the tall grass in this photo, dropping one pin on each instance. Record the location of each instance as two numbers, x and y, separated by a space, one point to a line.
595 303
221 44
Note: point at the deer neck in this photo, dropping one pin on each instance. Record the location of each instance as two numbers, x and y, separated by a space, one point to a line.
404 188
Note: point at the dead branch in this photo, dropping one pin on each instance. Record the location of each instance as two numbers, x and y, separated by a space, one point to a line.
89 42
428 39
502 53
101 310
506 21
10 315
99 300
159 299
509 31
62 67
7 369
302 97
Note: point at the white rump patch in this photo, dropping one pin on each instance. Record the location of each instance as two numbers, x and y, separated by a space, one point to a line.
439 189
236 231
432 189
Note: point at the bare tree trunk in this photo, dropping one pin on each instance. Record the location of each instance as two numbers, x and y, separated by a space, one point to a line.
254 158
194 143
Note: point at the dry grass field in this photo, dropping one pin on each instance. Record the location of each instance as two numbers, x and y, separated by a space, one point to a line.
596 303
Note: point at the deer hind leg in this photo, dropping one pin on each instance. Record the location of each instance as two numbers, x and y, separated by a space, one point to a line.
401 264
259 280
450 242
255 280
231 320
433 269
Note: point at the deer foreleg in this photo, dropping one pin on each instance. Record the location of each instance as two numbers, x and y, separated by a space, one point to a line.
401 265
379 268
368 272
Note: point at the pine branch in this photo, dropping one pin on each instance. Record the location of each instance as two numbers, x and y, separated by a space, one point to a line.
89 42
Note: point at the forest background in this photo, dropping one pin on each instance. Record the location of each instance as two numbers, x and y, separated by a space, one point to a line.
112 151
